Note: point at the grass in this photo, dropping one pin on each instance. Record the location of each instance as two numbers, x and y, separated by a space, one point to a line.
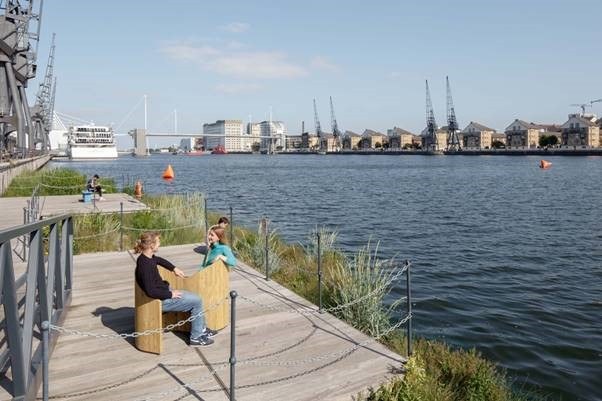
59 181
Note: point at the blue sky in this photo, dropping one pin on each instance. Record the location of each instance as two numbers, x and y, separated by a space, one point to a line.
209 61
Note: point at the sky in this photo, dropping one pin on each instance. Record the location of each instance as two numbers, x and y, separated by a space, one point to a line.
211 60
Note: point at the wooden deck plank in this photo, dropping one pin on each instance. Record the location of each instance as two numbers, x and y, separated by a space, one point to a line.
317 347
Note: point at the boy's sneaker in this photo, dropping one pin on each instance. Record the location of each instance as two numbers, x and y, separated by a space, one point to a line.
101 199
209 333
202 341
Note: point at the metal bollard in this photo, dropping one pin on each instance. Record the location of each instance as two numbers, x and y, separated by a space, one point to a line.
267 251
45 351
409 308
320 274
205 207
121 226
232 360
231 229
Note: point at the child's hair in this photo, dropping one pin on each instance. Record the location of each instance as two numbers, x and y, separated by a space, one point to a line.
220 232
146 240
223 220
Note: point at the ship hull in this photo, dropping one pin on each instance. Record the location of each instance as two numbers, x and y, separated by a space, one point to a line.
84 152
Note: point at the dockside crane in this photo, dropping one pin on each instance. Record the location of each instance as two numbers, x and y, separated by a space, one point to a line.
335 127
584 105
453 143
430 140
20 24
318 128
42 111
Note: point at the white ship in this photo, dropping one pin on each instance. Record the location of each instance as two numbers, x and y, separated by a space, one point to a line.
91 142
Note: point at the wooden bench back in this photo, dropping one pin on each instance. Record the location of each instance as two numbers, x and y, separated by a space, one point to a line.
212 284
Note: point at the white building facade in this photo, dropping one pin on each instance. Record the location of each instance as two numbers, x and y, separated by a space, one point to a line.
225 133
276 131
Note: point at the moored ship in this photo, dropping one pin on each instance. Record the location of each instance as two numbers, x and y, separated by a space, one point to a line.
91 142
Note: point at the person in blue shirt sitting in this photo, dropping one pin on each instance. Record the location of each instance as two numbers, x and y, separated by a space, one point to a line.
218 250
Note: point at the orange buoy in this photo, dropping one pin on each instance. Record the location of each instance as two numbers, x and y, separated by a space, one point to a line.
545 164
138 190
168 174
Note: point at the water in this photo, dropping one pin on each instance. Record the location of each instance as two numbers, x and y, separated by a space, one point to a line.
507 257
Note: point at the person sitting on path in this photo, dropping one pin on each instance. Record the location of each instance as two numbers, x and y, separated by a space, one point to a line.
94 186
172 300
218 250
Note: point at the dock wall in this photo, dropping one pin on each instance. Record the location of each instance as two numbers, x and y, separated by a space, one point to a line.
10 170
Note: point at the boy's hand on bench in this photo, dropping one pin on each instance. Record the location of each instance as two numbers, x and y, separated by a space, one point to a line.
176 294
178 272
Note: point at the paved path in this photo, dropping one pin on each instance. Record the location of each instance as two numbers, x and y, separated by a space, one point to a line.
282 355
12 207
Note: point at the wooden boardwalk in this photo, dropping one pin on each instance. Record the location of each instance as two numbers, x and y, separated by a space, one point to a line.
282 355
12 207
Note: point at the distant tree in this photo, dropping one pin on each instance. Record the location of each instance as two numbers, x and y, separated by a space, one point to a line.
378 145
407 146
498 144
543 141
552 140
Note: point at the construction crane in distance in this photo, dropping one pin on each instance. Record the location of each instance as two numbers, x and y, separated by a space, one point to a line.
335 127
430 139
318 128
453 143
584 105
42 111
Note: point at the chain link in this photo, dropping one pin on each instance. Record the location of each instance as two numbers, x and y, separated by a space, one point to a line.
162 229
97 235
135 334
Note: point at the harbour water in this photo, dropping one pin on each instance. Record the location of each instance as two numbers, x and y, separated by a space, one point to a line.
507 257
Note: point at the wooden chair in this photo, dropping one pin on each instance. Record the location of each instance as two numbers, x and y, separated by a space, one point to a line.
212 284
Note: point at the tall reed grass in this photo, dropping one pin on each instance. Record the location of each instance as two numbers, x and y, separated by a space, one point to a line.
58 181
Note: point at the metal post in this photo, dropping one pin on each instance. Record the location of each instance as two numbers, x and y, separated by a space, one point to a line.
409 308
267 250
205 207
45 350
231 229
233 296
319 273
121 226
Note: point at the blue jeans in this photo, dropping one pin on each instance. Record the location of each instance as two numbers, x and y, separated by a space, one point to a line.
189 302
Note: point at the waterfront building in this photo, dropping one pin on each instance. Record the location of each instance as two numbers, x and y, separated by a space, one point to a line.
372 140
327 142
521 134
477 136
276 131
228 134
294 142
581 130
400 138
187 144
253 142
440 139
351 140
309 141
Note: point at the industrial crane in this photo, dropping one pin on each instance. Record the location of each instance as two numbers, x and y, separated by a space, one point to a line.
584 105
318 128
453 143
335 127
42 111
431 124
18 65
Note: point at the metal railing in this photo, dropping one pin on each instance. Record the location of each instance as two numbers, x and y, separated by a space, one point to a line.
41 293
31 213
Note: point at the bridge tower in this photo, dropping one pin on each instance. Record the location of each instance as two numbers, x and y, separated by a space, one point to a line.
18 53
453 143
335 128
430 138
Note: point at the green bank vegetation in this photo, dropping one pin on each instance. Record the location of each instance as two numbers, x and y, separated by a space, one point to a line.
59 181
435 372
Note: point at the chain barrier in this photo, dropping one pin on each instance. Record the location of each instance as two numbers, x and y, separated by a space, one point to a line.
306 312
135 334
162 229
97 235
187 386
